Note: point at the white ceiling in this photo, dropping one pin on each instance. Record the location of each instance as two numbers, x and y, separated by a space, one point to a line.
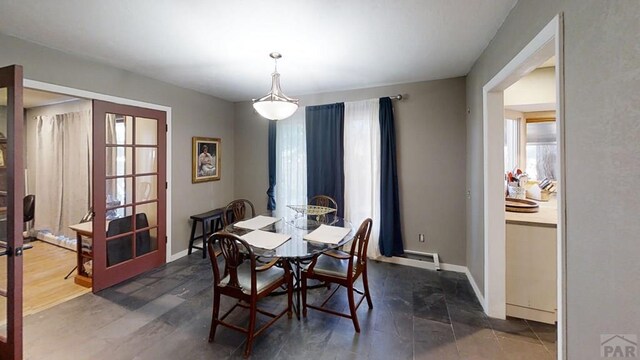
221 47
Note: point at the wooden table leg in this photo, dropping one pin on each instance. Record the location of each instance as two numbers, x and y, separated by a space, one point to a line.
82 278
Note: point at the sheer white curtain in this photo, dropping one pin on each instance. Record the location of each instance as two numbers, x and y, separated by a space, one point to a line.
291 163
362 166
63 171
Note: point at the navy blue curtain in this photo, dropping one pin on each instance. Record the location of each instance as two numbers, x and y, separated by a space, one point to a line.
390 231
325 152
271 192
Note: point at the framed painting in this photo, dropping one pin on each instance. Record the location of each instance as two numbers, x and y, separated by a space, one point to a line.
206 159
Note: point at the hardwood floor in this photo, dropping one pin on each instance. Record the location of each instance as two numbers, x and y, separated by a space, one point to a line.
45 266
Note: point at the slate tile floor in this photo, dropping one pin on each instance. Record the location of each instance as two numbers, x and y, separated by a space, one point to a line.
165 314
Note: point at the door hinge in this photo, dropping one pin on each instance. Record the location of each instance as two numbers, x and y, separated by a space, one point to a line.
166 239
166 127
166 185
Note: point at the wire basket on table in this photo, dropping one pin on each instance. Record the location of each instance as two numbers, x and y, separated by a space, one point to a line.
317 213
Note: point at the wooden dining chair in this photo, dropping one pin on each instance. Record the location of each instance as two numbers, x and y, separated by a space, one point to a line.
237 210
244 280
343 269
324 200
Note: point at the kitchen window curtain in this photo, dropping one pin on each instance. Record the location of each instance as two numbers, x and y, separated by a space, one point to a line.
325 152
390 230
362 167
290 163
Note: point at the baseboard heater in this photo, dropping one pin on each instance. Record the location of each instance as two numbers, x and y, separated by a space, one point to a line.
419 255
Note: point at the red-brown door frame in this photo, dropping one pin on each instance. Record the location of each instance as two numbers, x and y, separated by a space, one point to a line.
104 277
11 78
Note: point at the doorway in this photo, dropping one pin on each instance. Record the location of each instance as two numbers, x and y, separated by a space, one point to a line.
149 229
58 175
546 44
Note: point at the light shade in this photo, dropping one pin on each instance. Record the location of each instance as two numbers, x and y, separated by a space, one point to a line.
275 105
275 110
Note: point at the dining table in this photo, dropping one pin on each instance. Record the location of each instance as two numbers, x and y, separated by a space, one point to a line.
298 251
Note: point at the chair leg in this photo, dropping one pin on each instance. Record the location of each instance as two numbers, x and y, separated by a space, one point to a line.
365 284
214 315
204 239
352 308
252 326
290 296
193 234
303 280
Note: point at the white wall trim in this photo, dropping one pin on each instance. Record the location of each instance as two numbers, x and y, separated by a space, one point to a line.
430 266
33 84
178 255
420 263
476 288
547 43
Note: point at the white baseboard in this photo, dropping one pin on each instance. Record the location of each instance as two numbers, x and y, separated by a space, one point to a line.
430 266
421 263
476 289
183 253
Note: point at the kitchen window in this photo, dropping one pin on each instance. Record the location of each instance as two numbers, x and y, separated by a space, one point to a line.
541 150
511 144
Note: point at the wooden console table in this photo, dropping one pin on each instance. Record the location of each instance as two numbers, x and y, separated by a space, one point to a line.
83 229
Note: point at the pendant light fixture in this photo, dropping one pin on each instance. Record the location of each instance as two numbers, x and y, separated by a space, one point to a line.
275 105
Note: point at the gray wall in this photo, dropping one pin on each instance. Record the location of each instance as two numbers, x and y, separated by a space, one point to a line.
602 113
430 130
193 114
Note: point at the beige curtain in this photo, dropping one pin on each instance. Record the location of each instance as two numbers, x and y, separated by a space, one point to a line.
63 171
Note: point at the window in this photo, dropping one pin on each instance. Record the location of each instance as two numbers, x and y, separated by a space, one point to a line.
511 144
542 150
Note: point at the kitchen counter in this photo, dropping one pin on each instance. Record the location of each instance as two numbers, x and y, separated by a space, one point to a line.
547 216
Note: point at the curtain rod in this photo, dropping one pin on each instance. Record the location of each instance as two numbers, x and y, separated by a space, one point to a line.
393 97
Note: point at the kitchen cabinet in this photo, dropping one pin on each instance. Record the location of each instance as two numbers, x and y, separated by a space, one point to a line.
531 271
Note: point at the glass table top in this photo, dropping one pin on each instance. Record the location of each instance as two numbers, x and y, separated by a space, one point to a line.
296 247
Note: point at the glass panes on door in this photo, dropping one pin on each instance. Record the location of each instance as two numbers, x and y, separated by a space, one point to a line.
131 187
3 213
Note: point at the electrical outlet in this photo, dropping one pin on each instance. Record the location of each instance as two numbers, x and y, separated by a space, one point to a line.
468 194
421 237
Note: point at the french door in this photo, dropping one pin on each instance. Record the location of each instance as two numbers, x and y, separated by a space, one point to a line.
129 192
11 193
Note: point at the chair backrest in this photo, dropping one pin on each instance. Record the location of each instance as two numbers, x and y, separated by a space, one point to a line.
237 209
324 200
28 208
359 245
235 252
88 216
119 250
143 238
